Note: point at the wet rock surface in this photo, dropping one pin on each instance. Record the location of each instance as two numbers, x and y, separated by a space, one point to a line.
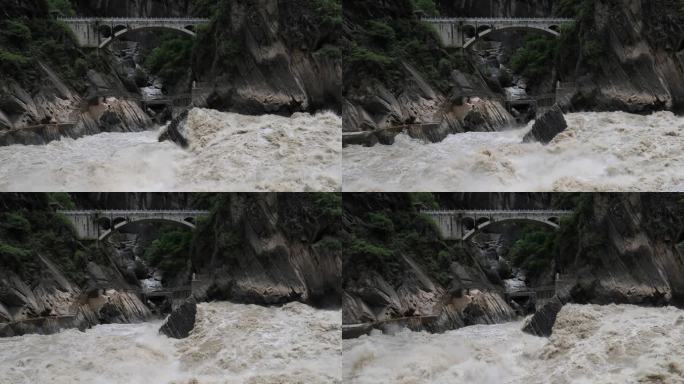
181 321
541 323
547 126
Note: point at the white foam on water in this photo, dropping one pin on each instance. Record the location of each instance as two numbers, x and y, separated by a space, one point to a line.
228 151
600 151
231 343
614 344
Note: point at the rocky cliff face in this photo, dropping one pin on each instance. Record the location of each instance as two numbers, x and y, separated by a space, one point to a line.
375 109
271 248
271 56
134 8
50 281
627 248
496 8
54 93
641 68
423 284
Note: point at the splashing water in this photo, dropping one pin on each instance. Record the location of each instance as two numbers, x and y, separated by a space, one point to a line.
600 151
614 344
228 151
231 344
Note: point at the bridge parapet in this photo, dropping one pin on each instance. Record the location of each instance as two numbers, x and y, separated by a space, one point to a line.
97 32
98 224
462 32
462 224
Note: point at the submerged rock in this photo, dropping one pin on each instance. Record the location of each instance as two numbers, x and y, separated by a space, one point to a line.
550 124
181 321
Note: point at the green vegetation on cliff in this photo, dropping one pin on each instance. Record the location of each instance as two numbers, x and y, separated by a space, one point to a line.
378 47
534 59
29 229
385 228
171 59
170 250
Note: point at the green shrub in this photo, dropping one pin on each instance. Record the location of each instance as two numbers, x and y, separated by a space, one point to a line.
62 6
15 224
427 6
15 31
330 51
171 59
535 58
328 11
328 205
380 33
170 250
62 199
12 62
380 222
534 250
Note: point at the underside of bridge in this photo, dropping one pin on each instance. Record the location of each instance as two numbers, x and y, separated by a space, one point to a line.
99 33
462 225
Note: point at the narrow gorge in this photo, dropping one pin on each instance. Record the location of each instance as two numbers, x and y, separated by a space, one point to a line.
513 287
161 276
95 87
470 96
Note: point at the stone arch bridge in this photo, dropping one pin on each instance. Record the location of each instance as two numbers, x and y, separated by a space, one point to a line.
97 225
463 32
99 32
462 224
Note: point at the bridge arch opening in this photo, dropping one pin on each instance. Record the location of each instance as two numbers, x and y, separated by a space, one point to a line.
485 226
125 32
105 31
481 32
468 223
469 31
555 28
120 225
104 223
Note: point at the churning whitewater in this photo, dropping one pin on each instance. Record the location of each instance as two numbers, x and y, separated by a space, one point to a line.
600 151
228 151
591 344
231 344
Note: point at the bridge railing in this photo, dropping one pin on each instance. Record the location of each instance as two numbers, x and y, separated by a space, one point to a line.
499 20
496 211
122 211
133 19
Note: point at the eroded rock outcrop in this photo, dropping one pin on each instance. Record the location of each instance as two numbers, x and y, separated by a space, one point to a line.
270 249
181 321
282 66
541 323
626 249
547 126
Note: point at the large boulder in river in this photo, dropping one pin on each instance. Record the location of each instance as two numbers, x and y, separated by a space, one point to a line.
550 124
541 323
181 321
176 130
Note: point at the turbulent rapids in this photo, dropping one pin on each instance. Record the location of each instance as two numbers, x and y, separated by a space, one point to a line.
614 344
231 344
600 151
227 151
